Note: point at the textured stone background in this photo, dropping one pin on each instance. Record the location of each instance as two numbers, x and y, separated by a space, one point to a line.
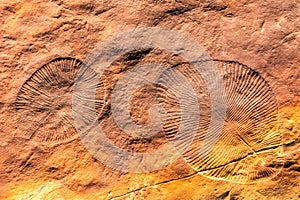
261 34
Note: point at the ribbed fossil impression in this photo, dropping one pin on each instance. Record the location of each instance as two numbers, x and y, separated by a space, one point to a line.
44 102
249 147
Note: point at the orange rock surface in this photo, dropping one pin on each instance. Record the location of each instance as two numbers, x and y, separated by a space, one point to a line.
261 34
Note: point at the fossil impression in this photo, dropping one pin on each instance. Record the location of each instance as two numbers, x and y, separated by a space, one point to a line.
44 102
249 147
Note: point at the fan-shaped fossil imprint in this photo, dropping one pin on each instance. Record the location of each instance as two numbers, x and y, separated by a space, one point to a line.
44 101
249 148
